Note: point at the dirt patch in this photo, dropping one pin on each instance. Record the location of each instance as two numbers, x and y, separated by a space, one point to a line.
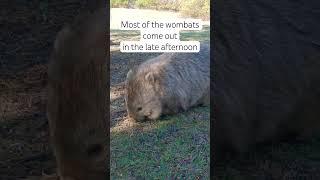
24 148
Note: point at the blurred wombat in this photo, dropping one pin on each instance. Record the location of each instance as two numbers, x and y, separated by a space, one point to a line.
76 98
169 83
267 84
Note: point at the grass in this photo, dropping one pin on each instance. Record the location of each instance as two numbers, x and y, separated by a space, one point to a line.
173 147
123 35
294 159
189 8
202 35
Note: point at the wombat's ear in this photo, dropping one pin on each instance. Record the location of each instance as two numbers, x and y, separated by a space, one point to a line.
62 36
150 76
129 74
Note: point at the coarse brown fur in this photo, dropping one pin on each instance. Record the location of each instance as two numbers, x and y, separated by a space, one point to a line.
169 83
77 98
266 81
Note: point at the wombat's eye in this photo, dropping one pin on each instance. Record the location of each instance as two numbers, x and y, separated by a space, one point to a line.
139 108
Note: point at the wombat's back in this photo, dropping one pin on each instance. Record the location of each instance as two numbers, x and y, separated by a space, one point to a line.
189 77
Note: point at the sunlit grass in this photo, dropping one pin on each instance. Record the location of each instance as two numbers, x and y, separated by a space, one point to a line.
175 147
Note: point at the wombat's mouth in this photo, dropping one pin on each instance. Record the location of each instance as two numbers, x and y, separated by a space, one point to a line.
147 118
143 119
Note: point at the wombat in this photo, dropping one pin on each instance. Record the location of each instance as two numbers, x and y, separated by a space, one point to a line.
77 92
267 84
167 84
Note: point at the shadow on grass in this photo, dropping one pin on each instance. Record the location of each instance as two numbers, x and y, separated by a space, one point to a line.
297 159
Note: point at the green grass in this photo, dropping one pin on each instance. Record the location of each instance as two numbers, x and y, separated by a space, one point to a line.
296 159
202 35
173 147
189 8
123 35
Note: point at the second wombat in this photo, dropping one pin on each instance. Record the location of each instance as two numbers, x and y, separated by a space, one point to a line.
77 98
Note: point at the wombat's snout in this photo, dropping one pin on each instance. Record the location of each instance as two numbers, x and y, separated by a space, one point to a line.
140 115
141 118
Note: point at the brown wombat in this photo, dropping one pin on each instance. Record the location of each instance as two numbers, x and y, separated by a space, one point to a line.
77 92
267 84
169 83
